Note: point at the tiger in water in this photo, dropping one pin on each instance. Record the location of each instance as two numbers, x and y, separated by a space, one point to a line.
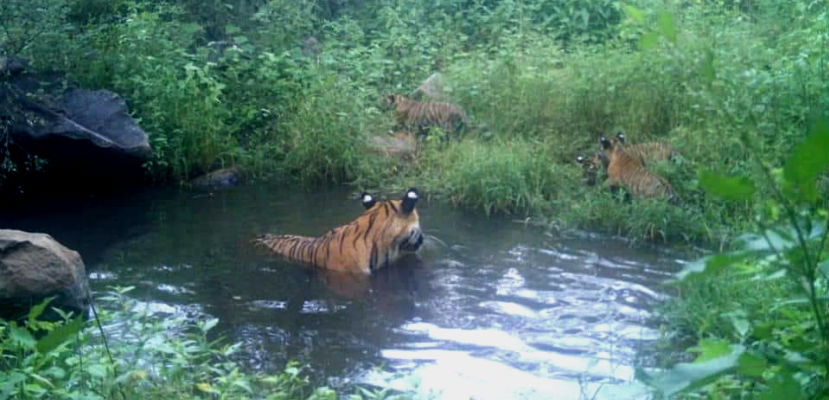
419 116
630 172
382 234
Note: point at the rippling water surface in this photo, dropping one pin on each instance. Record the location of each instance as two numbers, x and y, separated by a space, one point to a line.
490 309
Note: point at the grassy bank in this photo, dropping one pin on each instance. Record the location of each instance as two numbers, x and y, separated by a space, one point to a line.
292 91
142 356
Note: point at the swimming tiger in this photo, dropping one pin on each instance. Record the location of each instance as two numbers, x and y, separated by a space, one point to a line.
630 172
421 116
648 153
386 230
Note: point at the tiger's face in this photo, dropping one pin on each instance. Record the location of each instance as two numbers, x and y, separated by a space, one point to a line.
401 229
390 100
589 169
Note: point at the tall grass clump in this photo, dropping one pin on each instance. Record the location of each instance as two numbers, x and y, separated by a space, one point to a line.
497 176
325 138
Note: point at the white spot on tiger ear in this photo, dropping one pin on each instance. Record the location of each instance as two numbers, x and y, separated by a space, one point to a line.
411 194
366 198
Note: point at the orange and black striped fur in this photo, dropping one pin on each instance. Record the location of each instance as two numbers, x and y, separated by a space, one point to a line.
386 230
648 153
630 172
590 169
421 116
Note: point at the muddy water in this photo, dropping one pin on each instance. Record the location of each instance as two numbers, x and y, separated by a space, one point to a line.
490 308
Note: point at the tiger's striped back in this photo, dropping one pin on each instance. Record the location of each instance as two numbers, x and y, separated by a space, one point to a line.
650 152
629 171
421 116
383 233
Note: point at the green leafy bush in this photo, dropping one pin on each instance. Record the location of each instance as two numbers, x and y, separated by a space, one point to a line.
759 313
134 354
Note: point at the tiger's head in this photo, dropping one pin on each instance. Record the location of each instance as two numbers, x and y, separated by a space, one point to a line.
589 168
396 221
390 100
609 146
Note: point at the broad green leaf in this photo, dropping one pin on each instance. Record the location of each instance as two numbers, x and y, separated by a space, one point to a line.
648 40
59 335
823 267
685 376
97 370
206 387
21 336
782 387
751 365
42 380
244 385
9 382
726 187
710 265
634 13
741 326
707 67
667 25
808 160
209 324
780 238
55 372
37 310
34 389
710 349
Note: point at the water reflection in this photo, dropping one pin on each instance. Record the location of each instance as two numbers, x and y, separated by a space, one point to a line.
489 309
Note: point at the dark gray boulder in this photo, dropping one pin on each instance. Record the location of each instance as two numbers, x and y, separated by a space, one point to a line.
33 267
96 122
87 137
11 66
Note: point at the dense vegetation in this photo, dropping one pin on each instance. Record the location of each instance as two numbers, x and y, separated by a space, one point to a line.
291 90
133 353
757 315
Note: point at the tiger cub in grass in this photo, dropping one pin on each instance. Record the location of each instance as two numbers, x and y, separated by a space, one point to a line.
419 116
628 171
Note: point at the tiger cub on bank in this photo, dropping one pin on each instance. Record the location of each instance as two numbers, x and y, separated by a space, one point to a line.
624 169
419 116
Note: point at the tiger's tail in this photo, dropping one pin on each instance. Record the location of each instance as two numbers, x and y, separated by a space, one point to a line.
292 247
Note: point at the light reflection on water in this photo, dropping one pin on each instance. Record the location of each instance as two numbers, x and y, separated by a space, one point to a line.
490 309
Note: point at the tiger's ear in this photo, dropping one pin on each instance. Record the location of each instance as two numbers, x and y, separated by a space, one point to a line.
409 201
368 200
605 143
620 136
580 159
